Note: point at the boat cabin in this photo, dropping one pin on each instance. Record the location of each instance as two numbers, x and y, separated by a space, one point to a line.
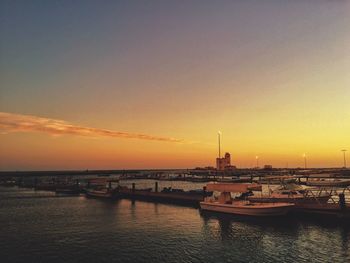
226 189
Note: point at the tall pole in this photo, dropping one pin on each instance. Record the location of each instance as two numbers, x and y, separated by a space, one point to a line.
304 155
344 157
257 161
219 134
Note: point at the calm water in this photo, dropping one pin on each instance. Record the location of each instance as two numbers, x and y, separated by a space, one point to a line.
41 227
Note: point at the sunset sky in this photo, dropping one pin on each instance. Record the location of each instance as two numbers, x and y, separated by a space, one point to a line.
148 84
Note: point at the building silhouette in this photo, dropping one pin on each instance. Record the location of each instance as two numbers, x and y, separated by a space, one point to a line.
224 162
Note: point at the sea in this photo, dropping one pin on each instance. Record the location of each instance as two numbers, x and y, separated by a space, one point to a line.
40 226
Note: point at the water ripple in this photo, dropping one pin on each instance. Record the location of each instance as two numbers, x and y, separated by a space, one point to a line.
76 229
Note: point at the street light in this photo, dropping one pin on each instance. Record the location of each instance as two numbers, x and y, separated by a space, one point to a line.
304 155
219 135
344 150
257 161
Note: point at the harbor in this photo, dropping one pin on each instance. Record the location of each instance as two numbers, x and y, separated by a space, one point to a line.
330 200
76 228
174 131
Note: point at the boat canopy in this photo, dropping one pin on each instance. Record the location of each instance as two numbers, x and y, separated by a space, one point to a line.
233 187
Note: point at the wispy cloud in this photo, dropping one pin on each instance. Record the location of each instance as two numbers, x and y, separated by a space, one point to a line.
10 122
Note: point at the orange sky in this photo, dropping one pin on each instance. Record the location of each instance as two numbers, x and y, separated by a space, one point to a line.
112 86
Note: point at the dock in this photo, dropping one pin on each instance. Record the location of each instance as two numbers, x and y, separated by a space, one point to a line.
167 195
338 207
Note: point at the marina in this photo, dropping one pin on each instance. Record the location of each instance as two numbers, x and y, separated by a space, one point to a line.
174 131
332 201
67 228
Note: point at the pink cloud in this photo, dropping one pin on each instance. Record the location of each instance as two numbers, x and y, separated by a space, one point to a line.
10 122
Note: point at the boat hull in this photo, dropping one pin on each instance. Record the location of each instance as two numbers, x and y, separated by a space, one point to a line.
329 209
325 183
261 210
99 194
68 191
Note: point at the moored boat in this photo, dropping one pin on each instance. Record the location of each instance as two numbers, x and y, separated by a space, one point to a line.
226 204
296 199
8 183
248 208
328 182
68 191
99 193
277 180
291 193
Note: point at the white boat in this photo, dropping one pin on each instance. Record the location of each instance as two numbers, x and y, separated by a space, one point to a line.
99 193
226 204
328 182
285 179
248 208
291 193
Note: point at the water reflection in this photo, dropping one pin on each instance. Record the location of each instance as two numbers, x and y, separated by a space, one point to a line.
81 229
276 238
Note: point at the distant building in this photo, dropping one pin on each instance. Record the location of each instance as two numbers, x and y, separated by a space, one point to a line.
222 163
